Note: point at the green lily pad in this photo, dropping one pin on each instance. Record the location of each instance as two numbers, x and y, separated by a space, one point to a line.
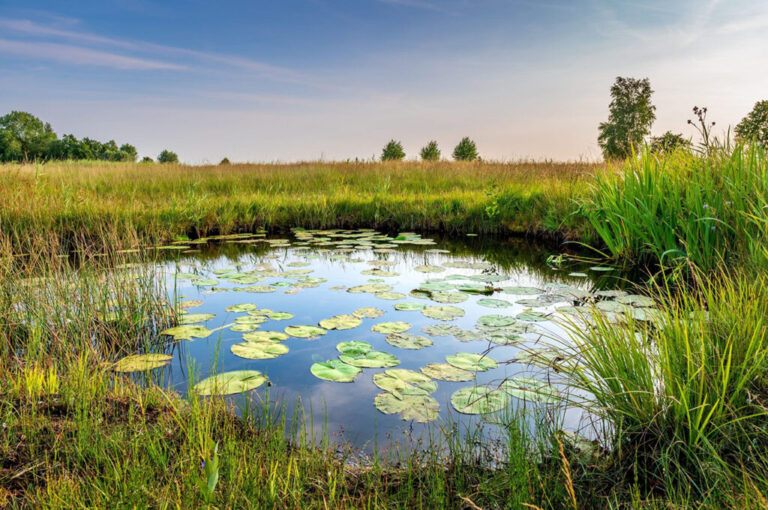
370 359
260 289
259 350
392 296
474 288
409 307
610 306
187 332
429 269
141 362
443 313
466 335
401 382
195 318
354 347
244 328
446 372
368 313
493 303
479 400
205 282
304 331
190 303
280 316
243 307
335 371
436 286
380 272
472 362
265 336
531 316
531 390
522 291
441 330
251 319
532 303
450 297
419 408
391 327
341 322
496 321
408 341
541 357
636 300
502 337
230 383
373 288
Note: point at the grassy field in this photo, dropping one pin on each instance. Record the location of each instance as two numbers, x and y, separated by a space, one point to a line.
687 398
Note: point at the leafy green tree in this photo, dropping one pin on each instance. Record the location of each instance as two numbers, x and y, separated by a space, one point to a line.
466 150
393 151
630 117
755 125
167 157
128 152
24 137
147 159
224 161
430 152
669 142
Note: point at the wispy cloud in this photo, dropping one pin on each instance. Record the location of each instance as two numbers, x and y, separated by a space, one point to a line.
69 54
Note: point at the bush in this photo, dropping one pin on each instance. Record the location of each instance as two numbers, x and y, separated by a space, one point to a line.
430 152
167 157
393 151
147 159
224 161
466 150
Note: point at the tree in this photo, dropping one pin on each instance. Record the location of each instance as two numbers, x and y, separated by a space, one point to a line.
669 142
393 151
23 137
630 117
430 152
128 152
466 150
167 157
754 127
147 159
224 161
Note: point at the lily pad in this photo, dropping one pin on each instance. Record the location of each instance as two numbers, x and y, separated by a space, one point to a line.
392 296
259 350
522 291
190 303
341 322
243 307
408 341
354 347
443 313
448 297
532 303
433 286
401 382
493 303
244 328
419 408
265 336
391 327
280 316
187 332
479 400
636 300
429 269
304 331
195 318
531 316
260 289
531 390
368 313
441 330
472 362
370 359
230 383
335 371
409 307
496 321
205 282
141 362
446 372
371 289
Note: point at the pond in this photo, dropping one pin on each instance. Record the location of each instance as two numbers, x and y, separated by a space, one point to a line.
375 334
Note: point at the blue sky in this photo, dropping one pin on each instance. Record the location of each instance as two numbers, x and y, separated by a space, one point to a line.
287 80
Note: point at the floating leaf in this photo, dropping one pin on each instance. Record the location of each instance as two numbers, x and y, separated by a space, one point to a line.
259 350
191 303
335 371
448 297
260 289
502 337
187 332
429 269
472 362
532 303
443 313
280 316
465 335
392 296
370 359
372 289
244 328
496 321
304 331
636 300
409 307
433 286
243 307
354 347
230 383
493 303
474 288
251 319
141 362
195 318
522 291
532 316
532 390
341 322
400 382
408 341
265 336
446 372
391 327
368 313
419 408
441 330
205 282
479 400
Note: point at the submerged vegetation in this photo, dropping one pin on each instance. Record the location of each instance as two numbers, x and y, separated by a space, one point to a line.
680 387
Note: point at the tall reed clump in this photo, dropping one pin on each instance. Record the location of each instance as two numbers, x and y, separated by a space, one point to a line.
686 396
682 207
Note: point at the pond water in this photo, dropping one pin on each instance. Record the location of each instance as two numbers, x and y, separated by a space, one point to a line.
478 307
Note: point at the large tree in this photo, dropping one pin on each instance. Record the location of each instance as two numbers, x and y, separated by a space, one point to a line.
630 117
24 137
754 127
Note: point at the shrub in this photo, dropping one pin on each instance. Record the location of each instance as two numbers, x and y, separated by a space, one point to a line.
393 151
430 152
224 161
167 157
466 150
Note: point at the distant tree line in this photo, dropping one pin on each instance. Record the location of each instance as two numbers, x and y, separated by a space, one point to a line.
24 137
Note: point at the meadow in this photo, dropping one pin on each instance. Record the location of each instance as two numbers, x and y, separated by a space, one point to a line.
686 395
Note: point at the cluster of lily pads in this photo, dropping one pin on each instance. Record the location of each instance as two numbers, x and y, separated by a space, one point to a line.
405 392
